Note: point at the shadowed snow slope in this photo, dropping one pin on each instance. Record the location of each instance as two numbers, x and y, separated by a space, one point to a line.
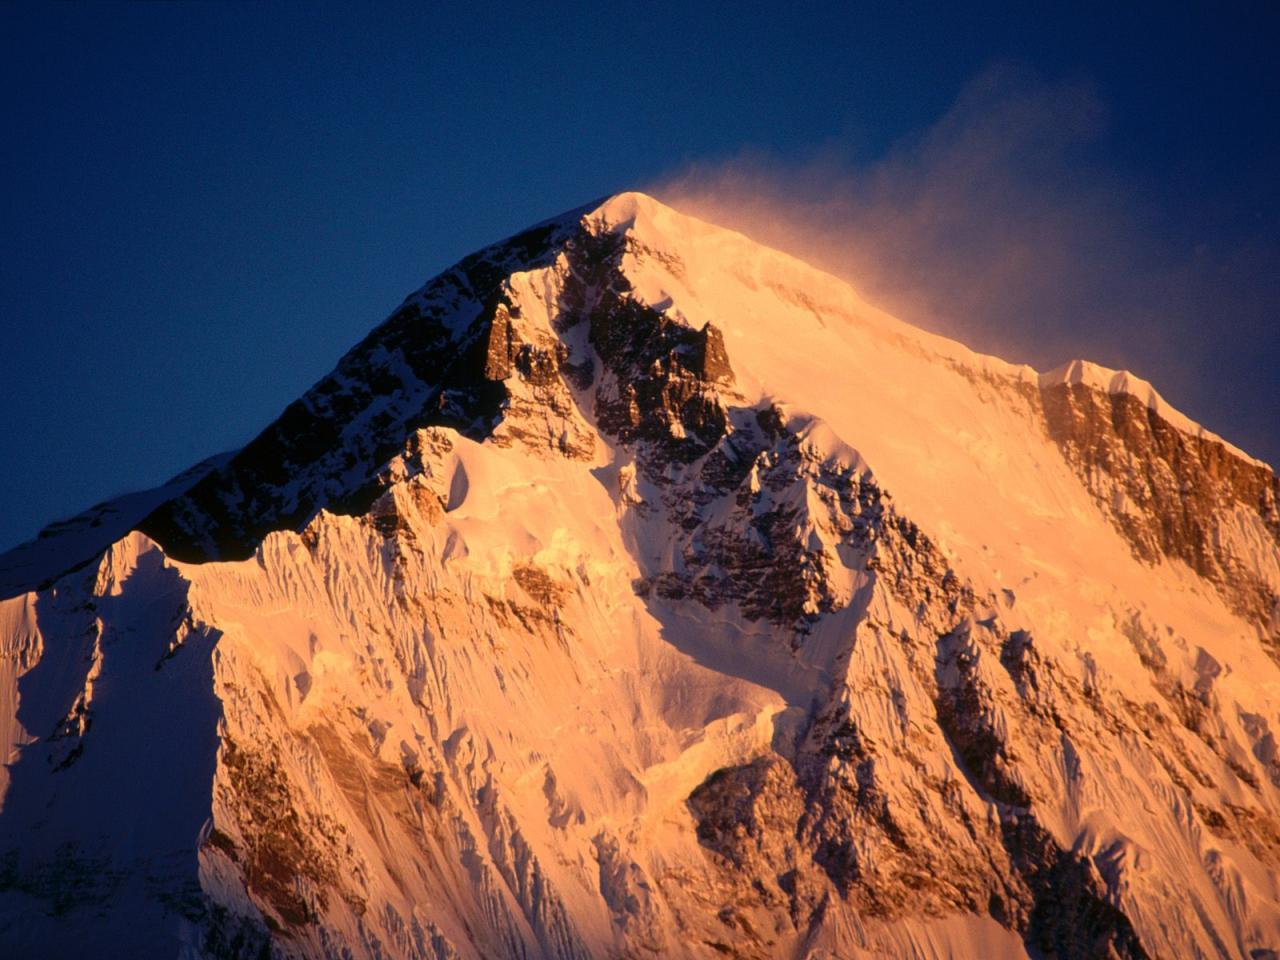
636 591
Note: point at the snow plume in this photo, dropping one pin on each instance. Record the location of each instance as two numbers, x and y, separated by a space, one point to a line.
1003 225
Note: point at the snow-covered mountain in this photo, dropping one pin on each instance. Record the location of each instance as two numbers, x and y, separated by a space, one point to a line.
639 591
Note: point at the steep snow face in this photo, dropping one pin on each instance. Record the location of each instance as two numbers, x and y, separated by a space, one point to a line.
636 590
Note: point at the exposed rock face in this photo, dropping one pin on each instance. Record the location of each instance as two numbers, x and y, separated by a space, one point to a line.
1175 495
764 526
658 383
564 620
440 359
898 849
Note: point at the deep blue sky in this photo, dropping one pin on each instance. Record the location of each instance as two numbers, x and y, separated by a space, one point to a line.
205 206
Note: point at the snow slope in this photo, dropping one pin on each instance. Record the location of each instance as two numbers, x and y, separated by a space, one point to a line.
637 590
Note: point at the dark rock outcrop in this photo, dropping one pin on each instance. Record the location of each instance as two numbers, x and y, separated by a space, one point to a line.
1168 492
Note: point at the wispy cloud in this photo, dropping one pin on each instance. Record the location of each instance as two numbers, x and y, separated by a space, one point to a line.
1004 225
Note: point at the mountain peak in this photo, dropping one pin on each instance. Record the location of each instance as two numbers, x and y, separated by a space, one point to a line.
620 208
635 589
768 320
